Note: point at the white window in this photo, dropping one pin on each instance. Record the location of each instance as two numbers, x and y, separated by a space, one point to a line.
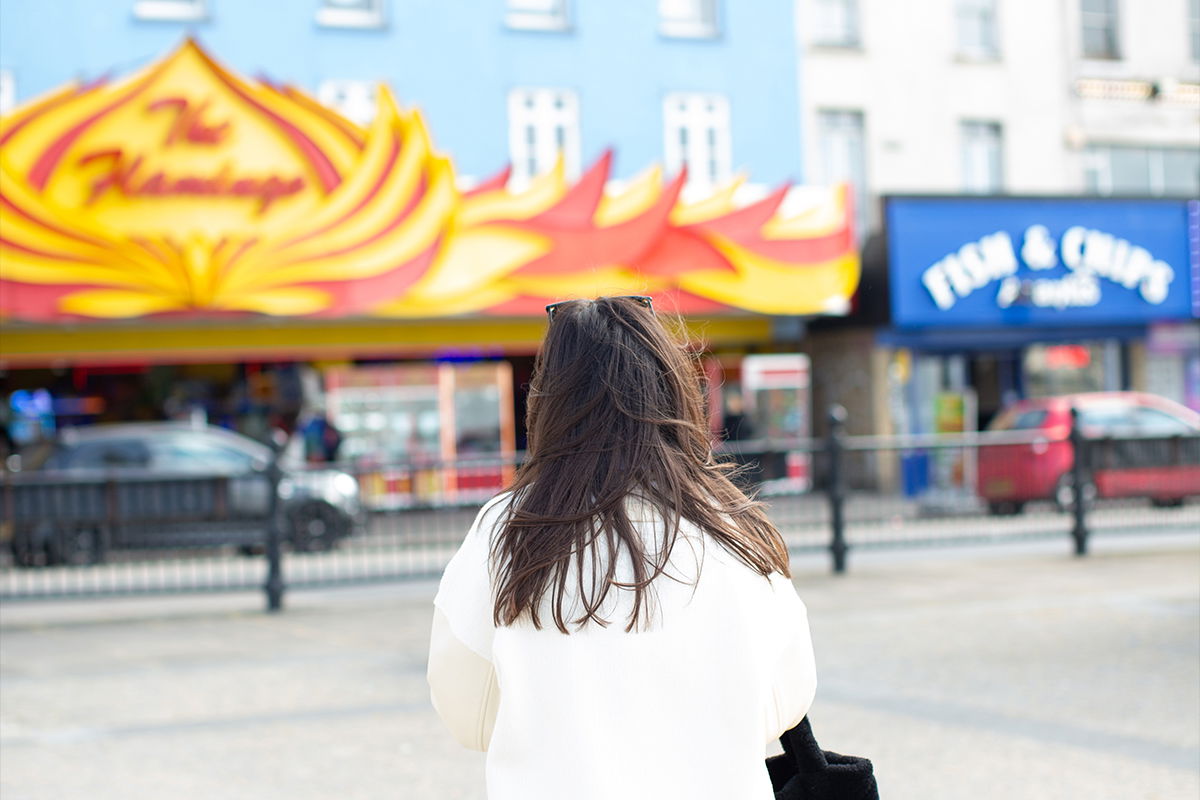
842 146
8 91
977 37
1194 27
982 157
687 18
1098 19
538 15
696 135
171 10
350 13
355 100
836 23
542 124
1156 171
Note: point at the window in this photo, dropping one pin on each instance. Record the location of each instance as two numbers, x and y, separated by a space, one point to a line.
687 18
982 160
1047 375
350 13
977 38
1156 171
1153 422
836 23
542 125
696 135
195 454
8 91
171 10
112 454
842 148
355 100
1098 19
1194 27
537 15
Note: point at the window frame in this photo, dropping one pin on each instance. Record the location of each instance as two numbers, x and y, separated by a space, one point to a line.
1194 29
1112 20
8 91
1098 170
968 135
326 87
852 38
542 118
824 126
330 16
705 25
713 123
171 10
555 21
991 50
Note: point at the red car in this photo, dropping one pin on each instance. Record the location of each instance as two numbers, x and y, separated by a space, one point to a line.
1147 446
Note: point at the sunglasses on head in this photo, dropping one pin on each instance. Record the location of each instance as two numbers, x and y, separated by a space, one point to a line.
642 299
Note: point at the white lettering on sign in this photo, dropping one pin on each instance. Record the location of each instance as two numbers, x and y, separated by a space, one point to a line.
1088 254
975 265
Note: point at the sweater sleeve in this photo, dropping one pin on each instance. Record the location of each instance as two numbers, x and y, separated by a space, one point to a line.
462 686
794 679
462 680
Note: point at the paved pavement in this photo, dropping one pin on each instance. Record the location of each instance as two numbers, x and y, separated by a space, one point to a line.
981 673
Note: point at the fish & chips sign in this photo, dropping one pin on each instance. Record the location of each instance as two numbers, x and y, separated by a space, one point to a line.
1092 258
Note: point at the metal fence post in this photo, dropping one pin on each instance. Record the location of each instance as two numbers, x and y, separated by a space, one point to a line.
274 586
1079 530
836 489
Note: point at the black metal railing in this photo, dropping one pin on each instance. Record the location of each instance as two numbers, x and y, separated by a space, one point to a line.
287 528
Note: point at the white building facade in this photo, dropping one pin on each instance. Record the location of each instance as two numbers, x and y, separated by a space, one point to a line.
1002 96
1054 99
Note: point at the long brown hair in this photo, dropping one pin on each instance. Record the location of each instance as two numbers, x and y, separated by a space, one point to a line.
614 411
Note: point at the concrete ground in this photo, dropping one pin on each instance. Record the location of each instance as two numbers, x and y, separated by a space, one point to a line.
1003 672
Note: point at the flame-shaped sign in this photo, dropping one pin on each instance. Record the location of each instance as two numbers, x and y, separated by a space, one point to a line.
185 190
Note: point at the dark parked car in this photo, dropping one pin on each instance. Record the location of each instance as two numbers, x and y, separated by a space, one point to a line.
1143 446
171 484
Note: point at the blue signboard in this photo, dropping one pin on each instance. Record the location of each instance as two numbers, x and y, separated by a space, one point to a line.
1014 262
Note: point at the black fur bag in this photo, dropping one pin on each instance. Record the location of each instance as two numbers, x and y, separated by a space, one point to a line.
806 772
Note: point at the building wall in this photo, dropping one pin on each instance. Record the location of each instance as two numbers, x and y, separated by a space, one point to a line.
914 88
457 61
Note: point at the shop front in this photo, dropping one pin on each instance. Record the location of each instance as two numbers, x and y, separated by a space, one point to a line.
187 243
995 299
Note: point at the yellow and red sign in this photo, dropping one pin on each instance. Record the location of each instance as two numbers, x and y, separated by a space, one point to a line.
184 191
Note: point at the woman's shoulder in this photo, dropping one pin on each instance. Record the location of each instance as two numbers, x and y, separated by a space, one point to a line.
492 514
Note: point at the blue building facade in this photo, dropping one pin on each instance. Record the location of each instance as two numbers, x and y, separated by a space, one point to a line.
460 61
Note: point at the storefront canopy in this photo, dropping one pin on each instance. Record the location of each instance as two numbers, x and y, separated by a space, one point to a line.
185 191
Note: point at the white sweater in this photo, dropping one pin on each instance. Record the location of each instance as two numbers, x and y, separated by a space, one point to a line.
682 710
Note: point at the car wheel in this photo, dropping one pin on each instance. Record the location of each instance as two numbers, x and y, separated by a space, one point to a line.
1064 492
316 527
75 546
1005 508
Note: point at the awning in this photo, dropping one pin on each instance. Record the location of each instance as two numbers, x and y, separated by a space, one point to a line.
308 339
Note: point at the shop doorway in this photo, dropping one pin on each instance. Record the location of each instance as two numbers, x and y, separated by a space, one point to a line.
996 379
